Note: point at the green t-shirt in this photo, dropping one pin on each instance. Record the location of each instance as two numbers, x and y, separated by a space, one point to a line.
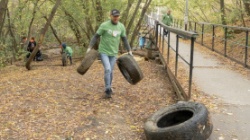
167 19
68 51
110 37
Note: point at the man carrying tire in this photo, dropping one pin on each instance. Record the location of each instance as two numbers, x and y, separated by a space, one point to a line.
110 32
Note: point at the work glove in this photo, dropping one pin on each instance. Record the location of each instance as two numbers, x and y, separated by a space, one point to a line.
130 53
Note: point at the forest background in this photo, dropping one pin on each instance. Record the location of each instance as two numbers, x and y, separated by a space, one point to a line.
76 21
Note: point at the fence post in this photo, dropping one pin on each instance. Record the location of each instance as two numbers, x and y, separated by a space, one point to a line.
246 49
202 34
225 43
162 42
213 39
191 67
176 54
160 29
195 26
156 33
168 47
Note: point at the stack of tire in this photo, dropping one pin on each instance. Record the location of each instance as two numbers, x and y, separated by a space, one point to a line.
181 121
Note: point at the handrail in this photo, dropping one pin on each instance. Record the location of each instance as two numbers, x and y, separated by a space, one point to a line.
230 41
179 33
221 25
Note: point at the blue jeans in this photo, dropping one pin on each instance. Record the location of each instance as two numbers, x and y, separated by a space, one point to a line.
108 64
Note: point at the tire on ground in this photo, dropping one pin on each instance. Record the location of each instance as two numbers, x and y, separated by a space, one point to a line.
88 60
181 121
64 59
129 69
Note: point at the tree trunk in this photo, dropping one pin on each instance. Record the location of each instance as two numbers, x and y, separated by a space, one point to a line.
99 17
3 8
77 24
137 28
74 28
14 43
132 20
43 31
125 13
53 31
33 17
247 6
223 15
88 23
241 12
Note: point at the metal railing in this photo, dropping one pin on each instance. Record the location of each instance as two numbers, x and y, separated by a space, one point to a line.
166 57
230 41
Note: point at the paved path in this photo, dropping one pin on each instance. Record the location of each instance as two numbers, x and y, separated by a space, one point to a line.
232 88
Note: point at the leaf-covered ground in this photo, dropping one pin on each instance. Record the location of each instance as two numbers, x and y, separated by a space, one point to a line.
55 102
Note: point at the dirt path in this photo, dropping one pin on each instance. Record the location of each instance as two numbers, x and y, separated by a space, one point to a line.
55 102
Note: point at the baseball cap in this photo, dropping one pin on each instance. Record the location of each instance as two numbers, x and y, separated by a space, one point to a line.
115 12
64 45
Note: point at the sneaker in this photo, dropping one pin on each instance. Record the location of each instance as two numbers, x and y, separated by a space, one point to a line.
108 93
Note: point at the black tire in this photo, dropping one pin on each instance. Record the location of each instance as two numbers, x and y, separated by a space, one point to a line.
64 59
129 69
88 60
181 121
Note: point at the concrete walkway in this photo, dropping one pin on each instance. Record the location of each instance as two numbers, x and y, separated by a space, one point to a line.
231 88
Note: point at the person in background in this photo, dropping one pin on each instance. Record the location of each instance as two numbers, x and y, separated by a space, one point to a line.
167 19
141 40
111 32
31 47
68 50
23 42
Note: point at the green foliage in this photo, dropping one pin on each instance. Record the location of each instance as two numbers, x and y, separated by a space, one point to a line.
234 16
5 54
230 33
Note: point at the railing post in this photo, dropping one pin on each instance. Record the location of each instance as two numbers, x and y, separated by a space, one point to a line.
156 33
191 67
213 38
202 33
168 47
195 26
246 49
176 54
162 42
160 29
225 43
